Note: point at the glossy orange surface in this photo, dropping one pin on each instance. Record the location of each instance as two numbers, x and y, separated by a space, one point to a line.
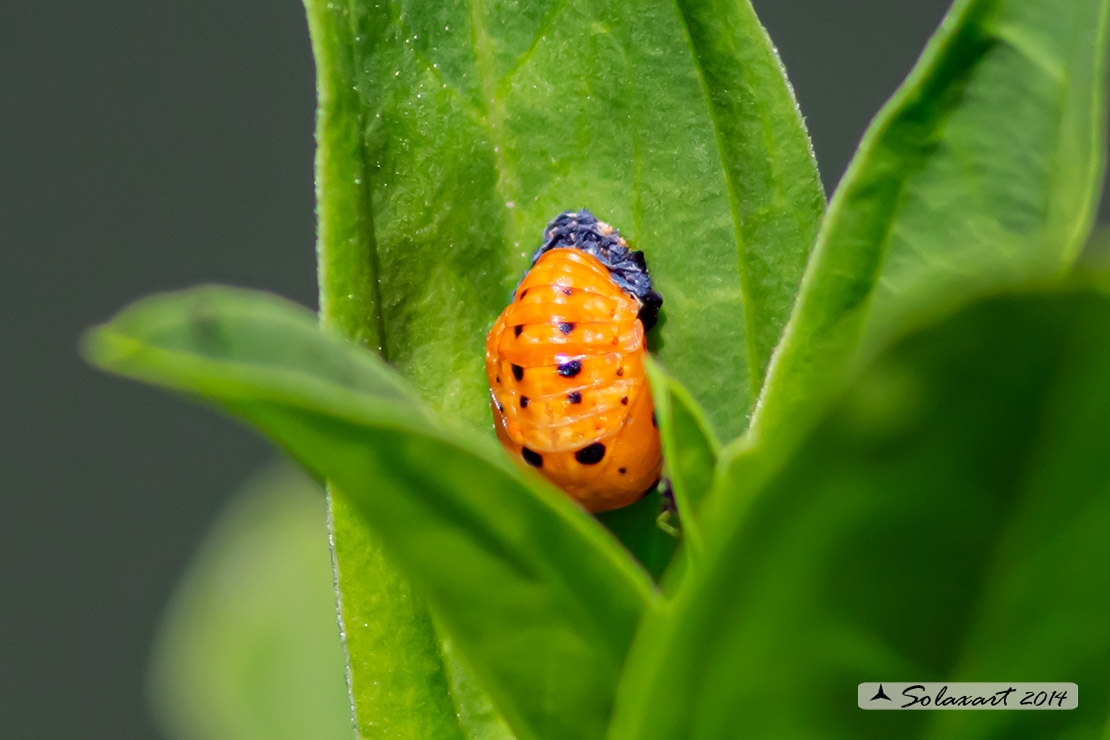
566 375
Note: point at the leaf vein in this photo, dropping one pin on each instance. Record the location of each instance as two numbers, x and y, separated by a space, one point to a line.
541 31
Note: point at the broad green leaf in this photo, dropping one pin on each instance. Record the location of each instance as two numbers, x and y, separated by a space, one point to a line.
450 133
982 169
689 451
510 566
945 521
248 649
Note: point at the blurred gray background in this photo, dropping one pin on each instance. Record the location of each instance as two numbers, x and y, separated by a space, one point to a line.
152 145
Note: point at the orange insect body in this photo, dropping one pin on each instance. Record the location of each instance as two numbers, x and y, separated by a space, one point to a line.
565 367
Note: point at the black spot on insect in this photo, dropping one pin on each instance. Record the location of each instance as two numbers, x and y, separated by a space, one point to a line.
518 372
517 330
500 408
654 421
566 327
574 397
568 291
497 379
590 455
523 293
624 400
534 459
524 402
570 369
622 471
620 371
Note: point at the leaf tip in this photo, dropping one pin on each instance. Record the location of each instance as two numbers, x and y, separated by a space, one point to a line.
103 348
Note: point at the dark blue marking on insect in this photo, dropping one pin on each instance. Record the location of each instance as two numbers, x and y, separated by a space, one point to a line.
569 369
566 327
574 397
591 454
581 230
518 372
534 459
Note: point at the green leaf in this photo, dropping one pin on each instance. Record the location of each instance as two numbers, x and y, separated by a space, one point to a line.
982 169
689 451
248 649
450 133
510 566
945 521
